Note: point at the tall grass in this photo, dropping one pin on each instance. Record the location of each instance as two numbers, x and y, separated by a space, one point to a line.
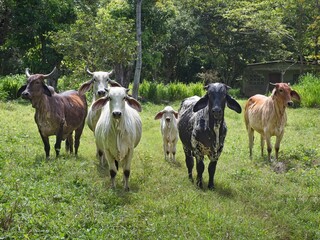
70 198
309 90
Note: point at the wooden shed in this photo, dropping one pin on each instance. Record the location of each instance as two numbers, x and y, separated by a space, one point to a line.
257 76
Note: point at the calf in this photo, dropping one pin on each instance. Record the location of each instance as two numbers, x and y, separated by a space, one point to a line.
169 131
267 116
202 128
56 114
118 130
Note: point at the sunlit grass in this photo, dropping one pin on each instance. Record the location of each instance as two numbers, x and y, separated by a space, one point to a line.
69 197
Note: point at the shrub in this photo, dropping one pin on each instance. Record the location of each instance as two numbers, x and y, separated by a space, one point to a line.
309 89
9 86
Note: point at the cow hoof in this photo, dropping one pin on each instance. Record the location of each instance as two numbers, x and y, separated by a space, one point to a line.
211 187
199 184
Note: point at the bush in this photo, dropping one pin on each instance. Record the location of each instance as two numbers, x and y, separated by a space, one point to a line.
309 89
9 86
158 92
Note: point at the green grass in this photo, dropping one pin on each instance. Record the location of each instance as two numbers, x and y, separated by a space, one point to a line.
70 198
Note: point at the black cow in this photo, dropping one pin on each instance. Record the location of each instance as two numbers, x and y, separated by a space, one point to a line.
202 128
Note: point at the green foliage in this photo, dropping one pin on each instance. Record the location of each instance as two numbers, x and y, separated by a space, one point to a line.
9 86
309 89
159 93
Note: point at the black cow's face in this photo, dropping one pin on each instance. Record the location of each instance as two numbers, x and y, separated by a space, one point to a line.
217 94
35 86
216 99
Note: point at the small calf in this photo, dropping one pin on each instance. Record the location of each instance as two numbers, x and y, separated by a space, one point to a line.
169 131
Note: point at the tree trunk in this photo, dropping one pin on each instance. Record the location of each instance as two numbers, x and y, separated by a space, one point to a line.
137 73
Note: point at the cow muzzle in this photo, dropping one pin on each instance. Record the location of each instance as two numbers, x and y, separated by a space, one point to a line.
116 114
290 104
217 113
101 93
25 95
168 119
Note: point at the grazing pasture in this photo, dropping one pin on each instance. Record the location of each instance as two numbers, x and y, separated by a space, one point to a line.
70 198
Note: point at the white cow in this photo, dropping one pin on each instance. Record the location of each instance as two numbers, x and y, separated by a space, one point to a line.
169 131
118 130
99 83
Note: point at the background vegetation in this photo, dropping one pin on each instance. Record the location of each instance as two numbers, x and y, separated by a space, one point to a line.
69 197
181 39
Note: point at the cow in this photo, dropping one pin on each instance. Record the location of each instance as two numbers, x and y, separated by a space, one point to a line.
99 82
118 130
202 129
267 116
56 114
169 131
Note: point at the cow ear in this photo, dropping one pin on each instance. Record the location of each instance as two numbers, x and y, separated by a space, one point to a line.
21 90
85 87
113 83
46 90
158 116
100 103
175 113
134 103
295 95
202 103
233 104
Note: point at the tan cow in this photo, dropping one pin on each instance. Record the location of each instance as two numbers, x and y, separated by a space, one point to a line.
267 116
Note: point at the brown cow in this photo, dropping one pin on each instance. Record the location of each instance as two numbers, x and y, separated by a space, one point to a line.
56 114
267 116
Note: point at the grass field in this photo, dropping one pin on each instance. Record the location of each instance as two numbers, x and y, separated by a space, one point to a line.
69 197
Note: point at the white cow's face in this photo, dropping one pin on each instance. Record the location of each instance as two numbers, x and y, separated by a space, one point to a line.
168 114
100 83
117 98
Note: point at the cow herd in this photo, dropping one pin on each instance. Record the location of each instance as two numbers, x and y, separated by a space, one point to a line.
114 119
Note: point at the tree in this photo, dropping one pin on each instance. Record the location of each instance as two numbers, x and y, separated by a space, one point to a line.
137 73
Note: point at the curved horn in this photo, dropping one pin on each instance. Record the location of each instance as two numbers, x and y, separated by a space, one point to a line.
88 71
50 74
27 73
273 84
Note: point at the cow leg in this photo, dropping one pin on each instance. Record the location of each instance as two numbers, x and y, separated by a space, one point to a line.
113 168
69 143
269 147
173 150
262 144
251 138
165 150
46 144
126 169
277 145
211 171
200 169
189 162
77 136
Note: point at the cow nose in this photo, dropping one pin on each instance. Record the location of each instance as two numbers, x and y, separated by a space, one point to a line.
290 104
101 93
217 112
116 114
168 119
25 94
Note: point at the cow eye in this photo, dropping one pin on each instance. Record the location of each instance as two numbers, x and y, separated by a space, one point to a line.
281 90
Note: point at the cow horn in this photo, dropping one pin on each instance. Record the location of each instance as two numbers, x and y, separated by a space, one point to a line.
27 73
273 84
88 71
50 74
